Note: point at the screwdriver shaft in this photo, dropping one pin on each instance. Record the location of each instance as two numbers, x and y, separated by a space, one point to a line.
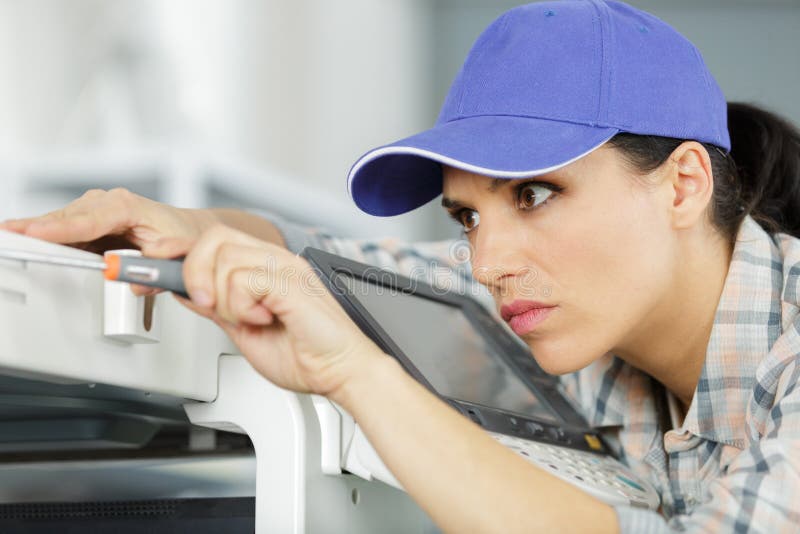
22 255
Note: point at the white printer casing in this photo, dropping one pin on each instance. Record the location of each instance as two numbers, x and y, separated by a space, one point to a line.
55 328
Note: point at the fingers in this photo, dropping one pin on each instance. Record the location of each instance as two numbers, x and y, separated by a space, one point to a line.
200 264
95 214
14 225
76 228
166 247
219 274
21 225
243 303
234 293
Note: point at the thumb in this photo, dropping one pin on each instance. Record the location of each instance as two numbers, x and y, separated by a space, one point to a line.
166 247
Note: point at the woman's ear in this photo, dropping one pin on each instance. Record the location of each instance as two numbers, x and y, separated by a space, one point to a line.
692 181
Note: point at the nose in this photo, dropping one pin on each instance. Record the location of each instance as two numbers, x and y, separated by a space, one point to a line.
496 256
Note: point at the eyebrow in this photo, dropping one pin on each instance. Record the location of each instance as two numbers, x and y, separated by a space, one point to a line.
450 203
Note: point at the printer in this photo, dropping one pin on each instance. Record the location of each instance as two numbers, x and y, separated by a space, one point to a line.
91 376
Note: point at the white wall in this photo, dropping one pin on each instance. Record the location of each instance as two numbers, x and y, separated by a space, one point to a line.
286 90
295 89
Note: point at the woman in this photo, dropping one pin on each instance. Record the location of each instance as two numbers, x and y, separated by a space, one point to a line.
587 143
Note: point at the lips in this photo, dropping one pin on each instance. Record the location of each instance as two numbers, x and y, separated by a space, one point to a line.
520 306
524 316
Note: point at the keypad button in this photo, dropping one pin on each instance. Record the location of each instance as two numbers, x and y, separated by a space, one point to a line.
605 473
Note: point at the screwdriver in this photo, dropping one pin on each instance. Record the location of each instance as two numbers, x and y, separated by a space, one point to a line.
153 272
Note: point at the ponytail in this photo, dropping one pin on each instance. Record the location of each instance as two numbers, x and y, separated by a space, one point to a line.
766 152
760 176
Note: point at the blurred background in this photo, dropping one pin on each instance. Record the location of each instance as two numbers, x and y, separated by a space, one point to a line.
267 103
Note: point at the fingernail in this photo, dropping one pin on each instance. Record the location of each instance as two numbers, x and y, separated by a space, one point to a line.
201 298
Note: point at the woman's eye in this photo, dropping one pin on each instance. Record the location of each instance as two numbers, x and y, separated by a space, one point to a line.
469 219
531 195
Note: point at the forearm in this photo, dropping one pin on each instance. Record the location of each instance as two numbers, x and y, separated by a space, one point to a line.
463 479
246 222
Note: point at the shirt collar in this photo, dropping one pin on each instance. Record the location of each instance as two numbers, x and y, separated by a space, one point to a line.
746 325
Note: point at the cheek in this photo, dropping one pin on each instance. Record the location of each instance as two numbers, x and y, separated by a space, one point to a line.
613 250
608 267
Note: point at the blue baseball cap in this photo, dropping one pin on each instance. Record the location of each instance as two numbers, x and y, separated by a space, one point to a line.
544 85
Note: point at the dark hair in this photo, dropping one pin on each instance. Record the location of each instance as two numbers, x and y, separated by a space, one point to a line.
760 176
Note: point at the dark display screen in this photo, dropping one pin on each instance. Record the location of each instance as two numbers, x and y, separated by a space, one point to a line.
447 349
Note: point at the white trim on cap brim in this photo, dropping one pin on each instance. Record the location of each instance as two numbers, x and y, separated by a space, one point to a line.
413 151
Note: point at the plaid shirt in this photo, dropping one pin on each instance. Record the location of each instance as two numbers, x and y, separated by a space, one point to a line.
733 465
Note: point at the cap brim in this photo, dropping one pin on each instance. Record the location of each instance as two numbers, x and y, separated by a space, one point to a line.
400 177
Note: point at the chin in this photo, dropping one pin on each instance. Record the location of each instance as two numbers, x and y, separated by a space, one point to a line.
557 367
554 362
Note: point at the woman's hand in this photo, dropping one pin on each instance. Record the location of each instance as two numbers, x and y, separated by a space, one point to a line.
276 310
103 220
100 220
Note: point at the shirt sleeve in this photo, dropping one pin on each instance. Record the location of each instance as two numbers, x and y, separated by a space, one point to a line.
760 490
442 263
